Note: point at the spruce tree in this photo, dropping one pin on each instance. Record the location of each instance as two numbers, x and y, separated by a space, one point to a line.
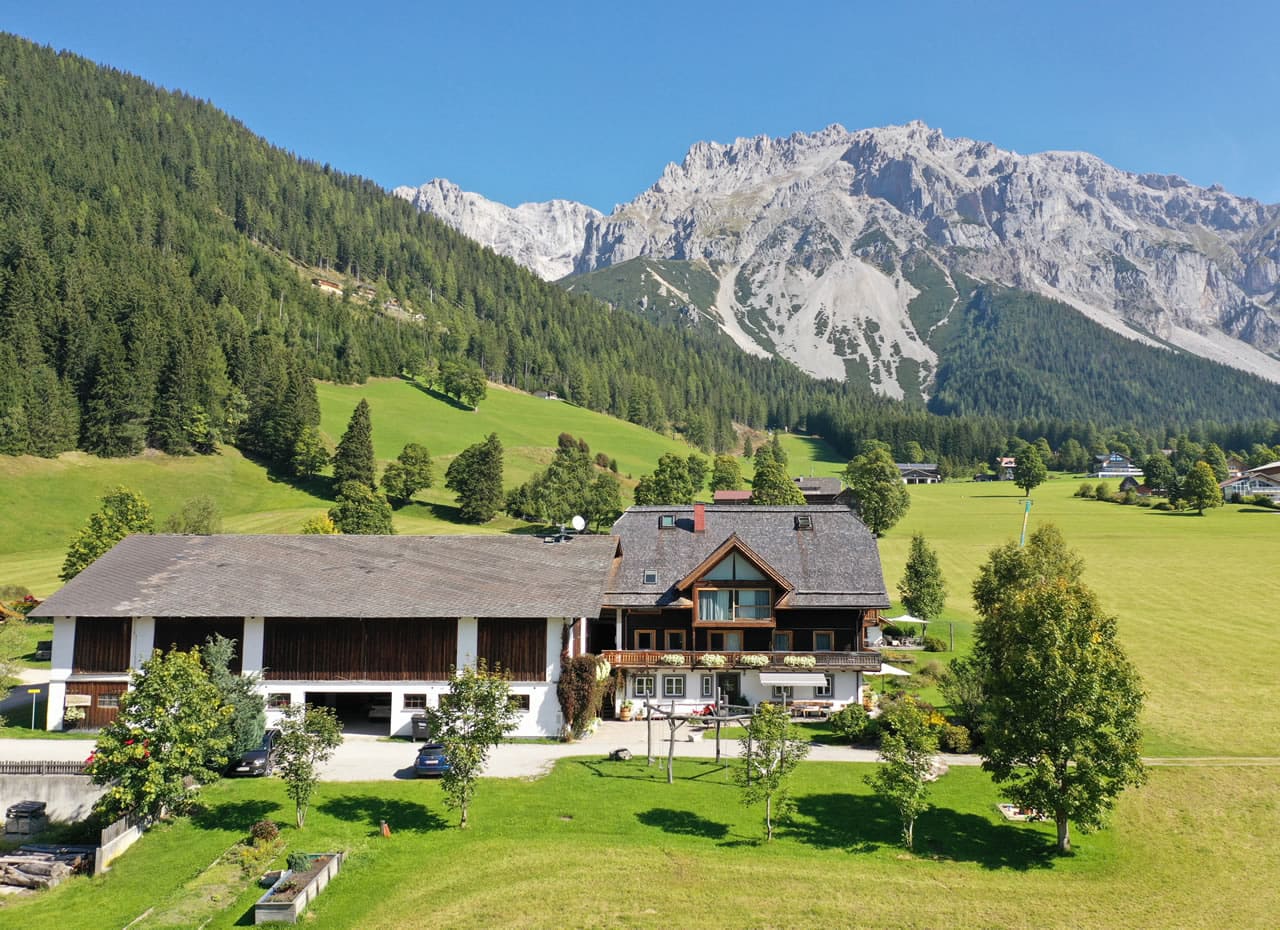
922 589
353 460
475 476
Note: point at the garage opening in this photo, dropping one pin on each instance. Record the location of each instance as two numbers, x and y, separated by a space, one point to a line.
363 713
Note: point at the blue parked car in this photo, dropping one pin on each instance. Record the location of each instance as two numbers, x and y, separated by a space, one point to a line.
431 761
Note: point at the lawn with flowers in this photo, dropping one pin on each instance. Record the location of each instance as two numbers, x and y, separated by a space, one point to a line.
609 844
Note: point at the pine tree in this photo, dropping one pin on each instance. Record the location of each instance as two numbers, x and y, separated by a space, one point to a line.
353 460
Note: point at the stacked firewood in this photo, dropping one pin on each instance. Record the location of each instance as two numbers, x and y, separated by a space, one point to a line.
43 866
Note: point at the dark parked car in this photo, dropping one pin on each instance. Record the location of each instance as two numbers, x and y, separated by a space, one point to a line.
258 761
431 760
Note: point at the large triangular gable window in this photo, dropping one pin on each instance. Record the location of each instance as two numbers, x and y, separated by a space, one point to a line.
734 567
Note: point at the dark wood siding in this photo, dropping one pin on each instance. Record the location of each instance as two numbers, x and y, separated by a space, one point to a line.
184 633
102 644
516 646
845 624
359 650
95 715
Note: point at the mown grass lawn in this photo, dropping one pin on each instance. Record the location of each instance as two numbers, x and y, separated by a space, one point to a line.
599 844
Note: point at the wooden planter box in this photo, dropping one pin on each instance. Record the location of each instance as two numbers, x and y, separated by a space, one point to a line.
273 909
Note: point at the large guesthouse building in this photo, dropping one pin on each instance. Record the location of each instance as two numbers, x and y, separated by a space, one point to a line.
690 602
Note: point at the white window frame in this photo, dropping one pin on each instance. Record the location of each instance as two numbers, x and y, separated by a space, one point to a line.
644 686
419 701
673 686
650 576
825 691
783 693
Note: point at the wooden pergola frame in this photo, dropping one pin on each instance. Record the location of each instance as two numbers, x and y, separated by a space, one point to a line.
725 713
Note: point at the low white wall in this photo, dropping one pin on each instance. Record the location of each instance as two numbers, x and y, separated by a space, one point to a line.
68 797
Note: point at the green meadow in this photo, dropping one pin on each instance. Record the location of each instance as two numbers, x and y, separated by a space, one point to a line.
601 844
44 501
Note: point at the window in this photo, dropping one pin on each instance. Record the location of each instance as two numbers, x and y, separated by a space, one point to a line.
415 702
735 567
823 690
278 701
675 640
673 686
781 640
666 521
824 640
730 604
708 686
642 686
726 642
646 639
108 700
520 702
650 576
782 692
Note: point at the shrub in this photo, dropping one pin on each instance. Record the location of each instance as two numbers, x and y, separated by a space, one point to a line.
1086 490
1165 506
264 831
954 738
935 644
299 862
850 723
1130 498
932 671
1102 492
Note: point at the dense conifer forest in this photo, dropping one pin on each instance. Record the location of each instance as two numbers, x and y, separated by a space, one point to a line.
157 269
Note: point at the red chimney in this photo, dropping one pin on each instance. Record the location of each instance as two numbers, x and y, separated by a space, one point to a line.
699 518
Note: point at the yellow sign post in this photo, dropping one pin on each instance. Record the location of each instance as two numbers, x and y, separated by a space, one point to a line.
33 692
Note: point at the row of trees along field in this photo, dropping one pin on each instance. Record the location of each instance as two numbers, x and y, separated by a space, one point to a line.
155 289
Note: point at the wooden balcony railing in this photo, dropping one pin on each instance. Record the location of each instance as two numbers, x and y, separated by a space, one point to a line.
653 658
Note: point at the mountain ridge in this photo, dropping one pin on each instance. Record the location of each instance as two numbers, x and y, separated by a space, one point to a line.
810 236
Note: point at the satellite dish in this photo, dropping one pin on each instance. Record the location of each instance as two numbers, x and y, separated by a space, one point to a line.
578 524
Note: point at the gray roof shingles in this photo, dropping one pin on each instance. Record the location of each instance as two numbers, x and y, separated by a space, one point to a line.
835 564
340 576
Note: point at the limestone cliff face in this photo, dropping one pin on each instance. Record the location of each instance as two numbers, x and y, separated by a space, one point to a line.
843 251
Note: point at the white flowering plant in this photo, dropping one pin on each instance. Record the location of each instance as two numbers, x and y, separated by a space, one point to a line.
753 661
712 660
672 658
800 661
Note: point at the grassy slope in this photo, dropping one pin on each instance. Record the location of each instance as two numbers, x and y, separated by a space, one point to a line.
609 844
43 502
1196 606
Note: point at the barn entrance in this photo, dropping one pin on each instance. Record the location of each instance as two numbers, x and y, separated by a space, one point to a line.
363 713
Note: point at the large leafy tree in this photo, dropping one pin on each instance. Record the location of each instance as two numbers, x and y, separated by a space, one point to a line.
1200 488
123 512
1158 473
906 760
771 749
922 589
309 454
474 717
170 734
879 494
408 474
669 484
308 737
1061 702
361 511
199 516
562 490
1030 471
475 476
465 381
726 474
353 460
771 485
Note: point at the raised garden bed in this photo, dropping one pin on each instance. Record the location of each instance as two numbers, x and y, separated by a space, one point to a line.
290 895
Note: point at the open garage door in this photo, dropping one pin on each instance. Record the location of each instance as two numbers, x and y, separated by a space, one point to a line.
361 712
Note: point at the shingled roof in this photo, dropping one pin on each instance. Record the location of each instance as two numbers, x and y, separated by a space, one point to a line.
834 564
340 576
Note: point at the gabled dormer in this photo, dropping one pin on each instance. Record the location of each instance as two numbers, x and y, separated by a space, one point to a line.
734 587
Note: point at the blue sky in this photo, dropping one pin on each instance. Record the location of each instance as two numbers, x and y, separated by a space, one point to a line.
589 101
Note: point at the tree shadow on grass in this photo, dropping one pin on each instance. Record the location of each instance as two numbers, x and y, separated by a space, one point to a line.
636 770
443 398
232 815
320 486
371 809
862 823
683 823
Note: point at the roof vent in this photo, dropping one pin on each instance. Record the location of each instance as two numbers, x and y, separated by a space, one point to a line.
804 521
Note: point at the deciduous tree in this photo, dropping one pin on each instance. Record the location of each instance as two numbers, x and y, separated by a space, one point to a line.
309 454
1200 488
200 516
726 474
169 735
1061 701
1030 471
361 511
475 476
906 759
469 721
880 497
308 737
922 588
408 474
123 512
771 749
669 484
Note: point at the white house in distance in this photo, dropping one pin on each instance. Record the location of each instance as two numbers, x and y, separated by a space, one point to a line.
1263 481
373 626
1114 465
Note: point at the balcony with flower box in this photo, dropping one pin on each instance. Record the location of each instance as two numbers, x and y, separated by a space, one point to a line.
705 660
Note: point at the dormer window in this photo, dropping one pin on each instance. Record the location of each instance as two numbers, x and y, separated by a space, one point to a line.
650 576
667 521
804 521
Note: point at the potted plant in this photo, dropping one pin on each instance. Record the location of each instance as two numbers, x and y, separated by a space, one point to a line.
753 661
800 661
672 658
625 711
712 660
72 716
